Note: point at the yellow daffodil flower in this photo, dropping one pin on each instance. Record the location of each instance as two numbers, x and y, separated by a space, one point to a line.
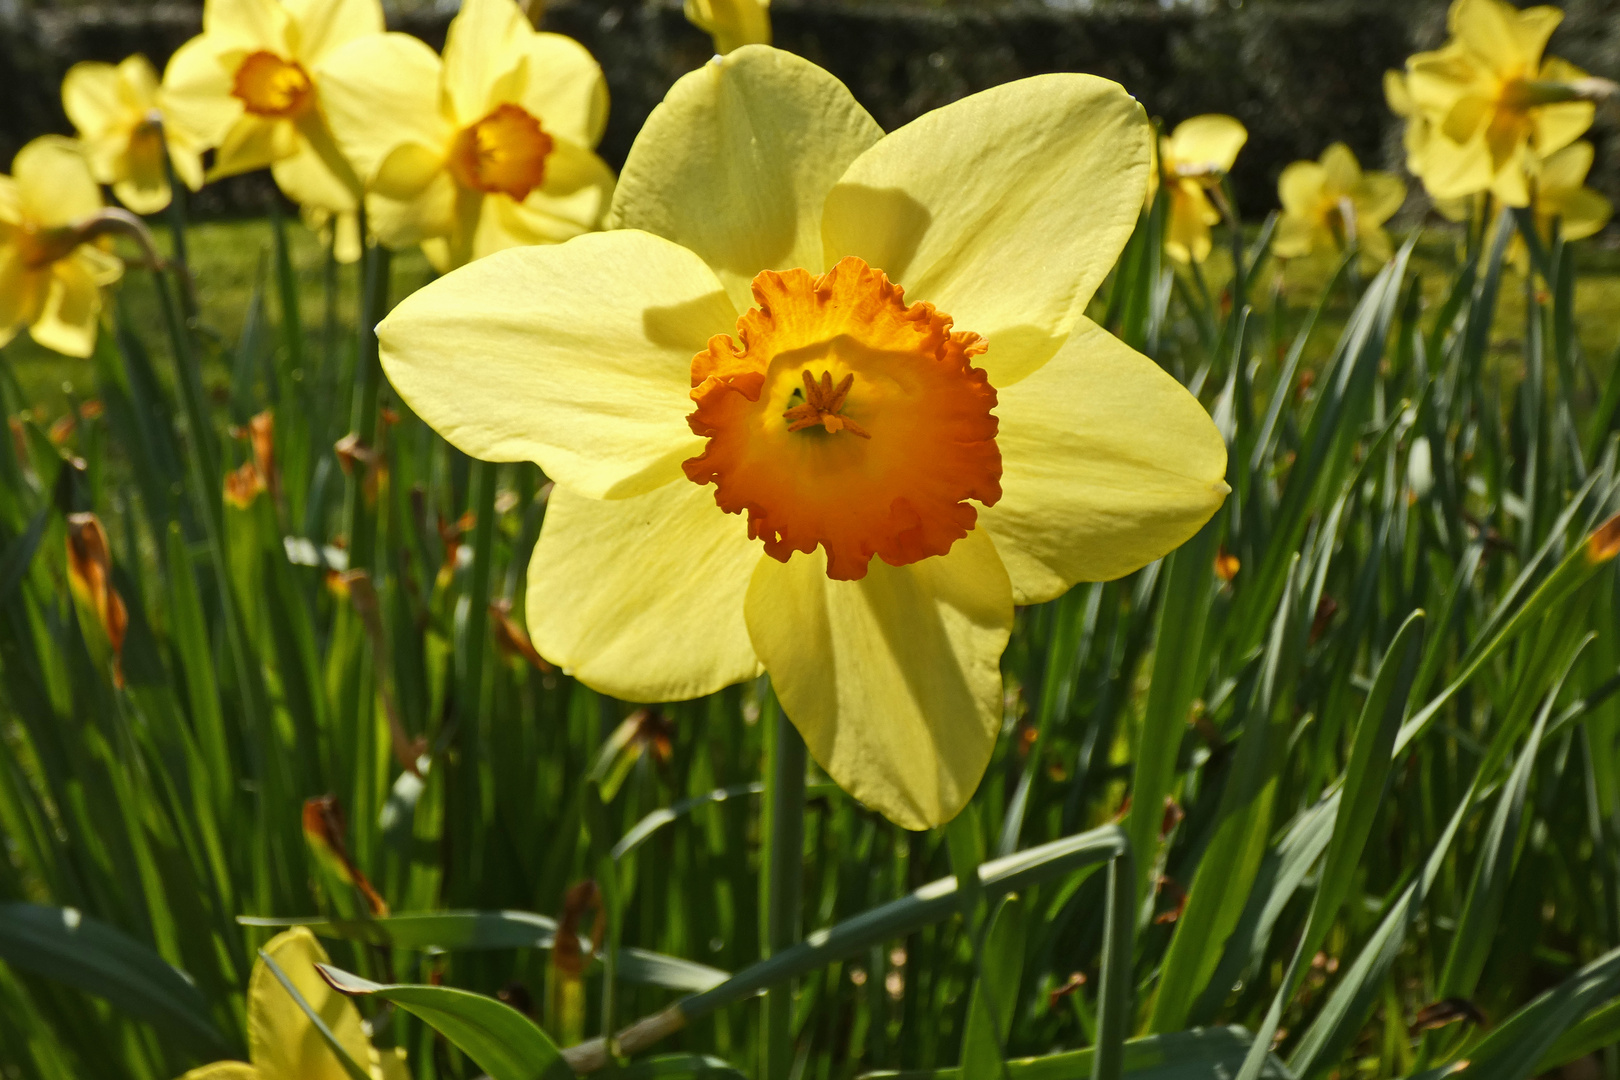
732 23
1327 202
247 87
1192 161
487 149
1561 193
282 1042
50 274
740 407
1488 105
118 111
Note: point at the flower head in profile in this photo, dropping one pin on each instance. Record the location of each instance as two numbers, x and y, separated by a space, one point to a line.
732 23
118 112
1329 203
282 1042
51 267
826 404
489 148
1192 161
1487 106
247 87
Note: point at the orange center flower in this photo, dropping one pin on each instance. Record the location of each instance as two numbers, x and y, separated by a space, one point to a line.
271 86
843 418
504 152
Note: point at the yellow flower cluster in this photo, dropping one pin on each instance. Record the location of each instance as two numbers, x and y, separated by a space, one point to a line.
1489 113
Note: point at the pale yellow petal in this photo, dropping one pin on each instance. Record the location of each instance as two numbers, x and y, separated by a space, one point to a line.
1005 210
68 319
197 91
380 93
576 356
736 163
430 212
389 1065
1342 172
1191 214
1108 463
1211 141
1380 195
1298 236
1556 126
1397 95
223 1070
93 99
1583 212
254 142
893 680
565 88
282 1042
146 192
1376 248
485 41
102 265
317 174
1300 189
22 290
54 182
320 27
1565 170
249 24
642 598
1504 37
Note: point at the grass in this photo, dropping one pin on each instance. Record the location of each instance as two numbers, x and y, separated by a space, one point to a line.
1340 771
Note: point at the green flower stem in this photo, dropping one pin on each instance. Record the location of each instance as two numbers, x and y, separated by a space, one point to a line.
781 879
359 517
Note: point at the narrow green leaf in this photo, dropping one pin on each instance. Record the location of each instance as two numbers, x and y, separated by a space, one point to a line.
995 991
501 1040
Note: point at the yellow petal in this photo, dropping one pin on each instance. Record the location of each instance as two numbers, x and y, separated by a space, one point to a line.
565 88
93 99
1004 210
197 90
317 174
576 356
1380 195
1187 239
223 1070
893 680
1300 188
399 223
1108 463
1299 236
737 162
1565 170
22 291
1556 126
1210 141
389 1065
1342 172
485 41
67 321
1397 95
642 598
572 200
731 23
380 93
254 142
1376 248
282 1042
323 26
1507 39
103 266
1583 212
54 182
249 24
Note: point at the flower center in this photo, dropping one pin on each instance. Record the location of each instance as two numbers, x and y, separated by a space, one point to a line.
41 247
504 152
271 86
843 418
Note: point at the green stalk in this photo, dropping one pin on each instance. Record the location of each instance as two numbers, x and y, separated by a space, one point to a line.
781 880
176 213
360 519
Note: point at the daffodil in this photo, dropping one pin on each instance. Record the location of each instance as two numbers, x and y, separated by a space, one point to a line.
1192 161
489 148
1489 106
51 272
1328 203
118 111
740 407
1561 194
282 1042
732 23
247 87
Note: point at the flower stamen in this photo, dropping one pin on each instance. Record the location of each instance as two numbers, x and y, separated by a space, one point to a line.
821 404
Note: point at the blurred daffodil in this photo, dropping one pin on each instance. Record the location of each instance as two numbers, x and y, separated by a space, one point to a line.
1192 161
740 408
247 87
1489 106
732 23
118 111
1328 203
282 1042
1560 195
487 149
51 267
